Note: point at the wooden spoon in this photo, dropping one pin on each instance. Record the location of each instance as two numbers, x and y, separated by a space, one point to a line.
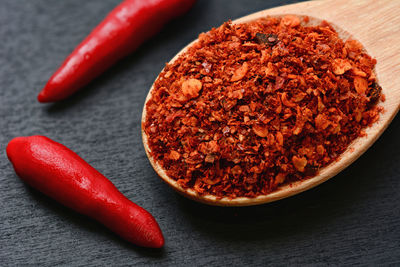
376 24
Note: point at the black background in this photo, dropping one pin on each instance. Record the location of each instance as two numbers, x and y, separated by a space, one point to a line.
353 218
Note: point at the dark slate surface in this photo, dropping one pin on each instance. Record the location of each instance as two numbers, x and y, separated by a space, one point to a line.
353 218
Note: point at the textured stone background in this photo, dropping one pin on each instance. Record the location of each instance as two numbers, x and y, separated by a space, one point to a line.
353 218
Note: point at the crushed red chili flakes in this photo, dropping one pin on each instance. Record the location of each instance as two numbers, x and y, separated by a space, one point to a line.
252 106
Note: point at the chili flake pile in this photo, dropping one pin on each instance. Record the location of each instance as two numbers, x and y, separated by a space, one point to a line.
252 106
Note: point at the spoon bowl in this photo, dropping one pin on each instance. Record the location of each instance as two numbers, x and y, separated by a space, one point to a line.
375 25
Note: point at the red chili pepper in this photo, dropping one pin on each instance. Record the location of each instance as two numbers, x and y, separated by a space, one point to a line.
121 32
61 174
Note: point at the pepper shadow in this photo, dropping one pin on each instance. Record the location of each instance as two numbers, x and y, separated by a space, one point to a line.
90 225
298 215
172 33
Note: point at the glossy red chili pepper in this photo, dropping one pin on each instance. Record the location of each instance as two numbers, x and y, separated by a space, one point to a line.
122 31
61 174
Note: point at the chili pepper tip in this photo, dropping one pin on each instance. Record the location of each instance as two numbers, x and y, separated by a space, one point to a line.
45 97
41 97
